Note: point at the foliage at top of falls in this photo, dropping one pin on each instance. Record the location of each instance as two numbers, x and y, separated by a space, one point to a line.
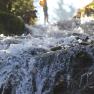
18 8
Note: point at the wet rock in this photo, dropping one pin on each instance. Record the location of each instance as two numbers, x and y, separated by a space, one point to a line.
83 37
35 51
81 63
84 43
68 71
1 89
34 87
38 71
60 83
56 48
56 72
7 88
68 25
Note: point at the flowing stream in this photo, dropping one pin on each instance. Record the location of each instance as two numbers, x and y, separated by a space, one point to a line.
52 59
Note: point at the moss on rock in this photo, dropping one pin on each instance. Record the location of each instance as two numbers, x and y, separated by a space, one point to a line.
10 24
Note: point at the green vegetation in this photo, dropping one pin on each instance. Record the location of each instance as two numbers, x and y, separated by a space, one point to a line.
10 24
13 15
25 9
19 7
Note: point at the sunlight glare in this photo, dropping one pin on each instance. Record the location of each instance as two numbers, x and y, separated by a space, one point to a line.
67 6
76 3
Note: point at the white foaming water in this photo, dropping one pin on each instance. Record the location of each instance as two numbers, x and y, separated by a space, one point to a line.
17 54
40 37
86 19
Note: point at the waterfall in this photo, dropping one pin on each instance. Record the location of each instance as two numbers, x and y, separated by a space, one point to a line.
53 59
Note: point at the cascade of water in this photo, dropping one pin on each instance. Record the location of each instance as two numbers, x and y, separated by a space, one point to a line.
51 60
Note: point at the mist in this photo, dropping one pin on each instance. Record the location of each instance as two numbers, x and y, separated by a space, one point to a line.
60 9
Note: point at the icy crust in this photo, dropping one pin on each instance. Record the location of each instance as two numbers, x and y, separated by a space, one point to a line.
40 62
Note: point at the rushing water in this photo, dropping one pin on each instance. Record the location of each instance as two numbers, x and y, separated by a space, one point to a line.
44 61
